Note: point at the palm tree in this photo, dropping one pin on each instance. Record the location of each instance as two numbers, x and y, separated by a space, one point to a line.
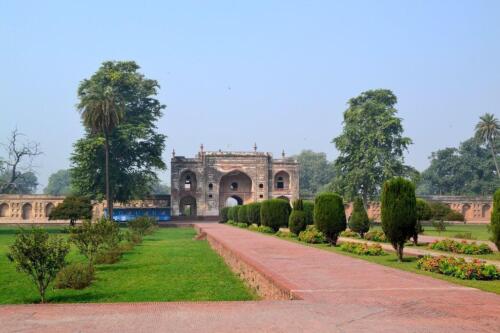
487 131
102 110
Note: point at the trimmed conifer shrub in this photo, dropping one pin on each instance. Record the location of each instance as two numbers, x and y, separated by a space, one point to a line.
329 216
230 214
359 221
495 220
398 212
224 215
424 213
242 214
253 213
297 219
274 213
236 213
309 211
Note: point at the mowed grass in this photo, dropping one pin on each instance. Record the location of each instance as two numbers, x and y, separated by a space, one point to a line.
168 266
478 232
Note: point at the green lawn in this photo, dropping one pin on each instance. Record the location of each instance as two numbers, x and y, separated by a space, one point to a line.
168 266
478 232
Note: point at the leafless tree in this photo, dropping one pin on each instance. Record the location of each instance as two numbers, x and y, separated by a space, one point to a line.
19 161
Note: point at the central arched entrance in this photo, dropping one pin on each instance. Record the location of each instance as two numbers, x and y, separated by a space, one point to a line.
187 206
236 188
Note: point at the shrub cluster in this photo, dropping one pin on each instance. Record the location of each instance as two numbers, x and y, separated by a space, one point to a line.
459 268
309 211
376 236
362 248
253 213
441 211
143 225
285 234
75 276
274 213
464 247
312 235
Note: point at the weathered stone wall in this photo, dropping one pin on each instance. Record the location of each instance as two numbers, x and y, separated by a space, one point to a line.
244 176
27 208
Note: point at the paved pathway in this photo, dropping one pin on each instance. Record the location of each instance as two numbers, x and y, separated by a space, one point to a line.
339 294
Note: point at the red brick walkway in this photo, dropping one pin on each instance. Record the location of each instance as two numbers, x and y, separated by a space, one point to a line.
340 294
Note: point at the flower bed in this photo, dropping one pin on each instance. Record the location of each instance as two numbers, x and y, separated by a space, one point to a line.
464 247
362 249
459 268
261 228
349 233
312 235
376 236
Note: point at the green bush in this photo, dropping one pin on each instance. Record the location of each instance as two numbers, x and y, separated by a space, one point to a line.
109 256
359 222
398 212
459 268
298 204
143 225
230 213
494 226
312 235
297 221
133 237
236 213
329 216
439 210
349 233
253 213
439 225
274 213
285 234
376 236
75 276
424 213
241 225
242 214
464 247
362 248
39 255
223 216
309 210
453 215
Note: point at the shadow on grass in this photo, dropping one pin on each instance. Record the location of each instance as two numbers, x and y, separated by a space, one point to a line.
85 297
405 260
16 230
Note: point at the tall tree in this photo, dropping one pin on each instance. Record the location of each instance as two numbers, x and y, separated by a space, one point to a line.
487 131
315 172
371 146
17 176
59 183
102 108
466 170
134 146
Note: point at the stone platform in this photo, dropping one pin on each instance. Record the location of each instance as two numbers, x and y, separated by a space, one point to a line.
334 293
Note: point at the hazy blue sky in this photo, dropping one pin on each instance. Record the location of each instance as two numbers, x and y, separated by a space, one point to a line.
232 73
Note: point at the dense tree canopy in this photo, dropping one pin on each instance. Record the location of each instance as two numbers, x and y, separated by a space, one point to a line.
466 170
371 146
315 172
59 183
135 146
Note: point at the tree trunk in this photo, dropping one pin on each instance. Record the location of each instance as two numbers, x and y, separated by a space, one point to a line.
109 200
400 252
494 157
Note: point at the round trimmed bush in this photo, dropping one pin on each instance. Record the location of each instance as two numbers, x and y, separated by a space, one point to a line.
329 216
309 211
495 220
242 214
224 215
359 222
274 213
253 213
398 212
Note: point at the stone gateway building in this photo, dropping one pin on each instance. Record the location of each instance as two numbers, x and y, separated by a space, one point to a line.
202 185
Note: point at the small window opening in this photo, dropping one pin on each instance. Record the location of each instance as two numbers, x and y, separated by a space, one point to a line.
234 186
